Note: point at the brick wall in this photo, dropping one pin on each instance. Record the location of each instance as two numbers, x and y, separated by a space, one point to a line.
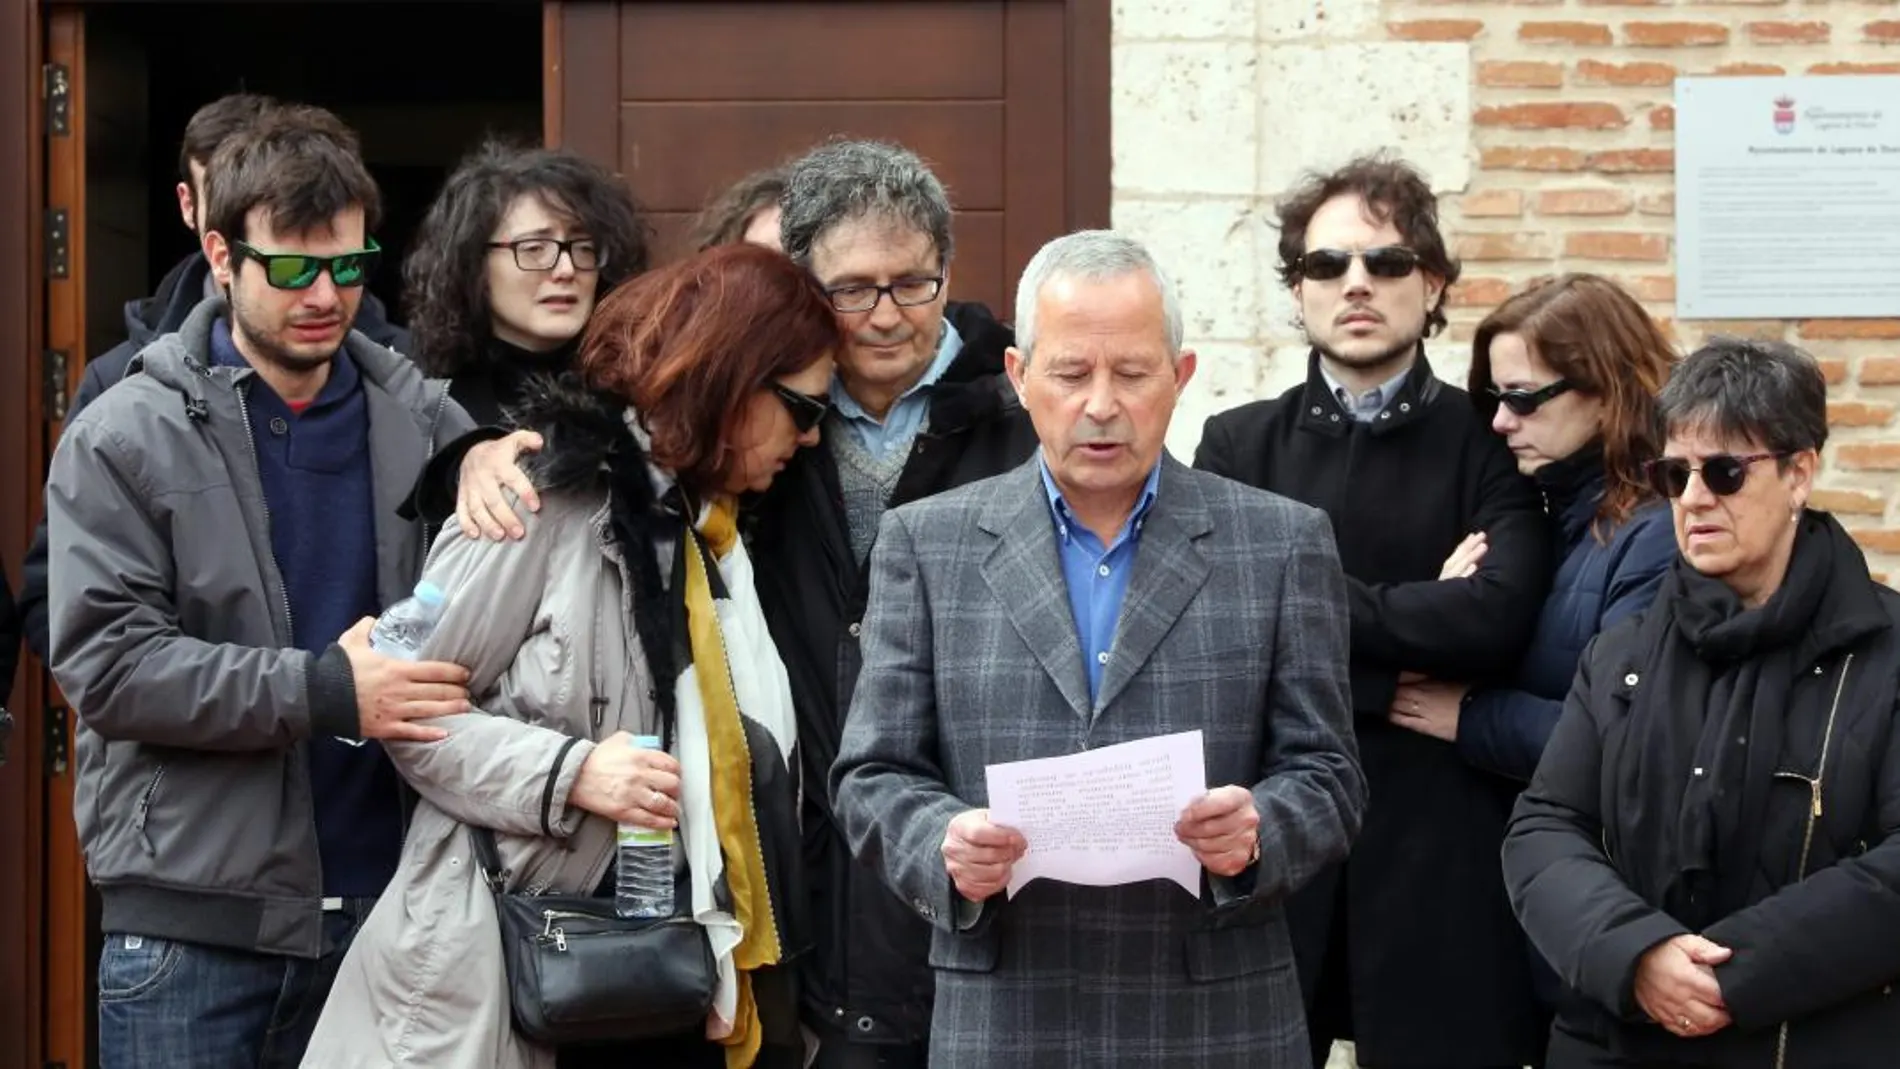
1546 126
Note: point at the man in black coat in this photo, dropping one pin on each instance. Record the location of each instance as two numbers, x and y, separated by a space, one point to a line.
1410 948
921 404
181 290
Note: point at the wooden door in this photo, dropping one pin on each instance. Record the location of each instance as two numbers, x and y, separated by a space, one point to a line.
68 966
1006 99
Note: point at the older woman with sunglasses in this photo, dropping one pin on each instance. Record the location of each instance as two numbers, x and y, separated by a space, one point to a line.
627 610
1707 852
1570 371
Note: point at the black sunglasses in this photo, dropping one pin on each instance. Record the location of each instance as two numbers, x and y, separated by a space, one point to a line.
1525 402
1722 474
299 271
1383 261
807 411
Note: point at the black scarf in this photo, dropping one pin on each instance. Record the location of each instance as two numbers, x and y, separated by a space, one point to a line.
1572 489
1706 726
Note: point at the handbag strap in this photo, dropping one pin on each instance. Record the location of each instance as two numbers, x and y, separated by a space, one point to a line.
488 856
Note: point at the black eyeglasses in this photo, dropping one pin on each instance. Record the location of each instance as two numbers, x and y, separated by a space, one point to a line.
1525 402
1382 261
299 271
904 293
541 254
1722 474
807 411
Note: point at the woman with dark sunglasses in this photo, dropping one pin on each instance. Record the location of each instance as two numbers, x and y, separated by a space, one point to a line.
627 609
1707 851
1570 371
507 267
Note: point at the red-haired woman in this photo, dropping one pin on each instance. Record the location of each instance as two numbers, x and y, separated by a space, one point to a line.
696 382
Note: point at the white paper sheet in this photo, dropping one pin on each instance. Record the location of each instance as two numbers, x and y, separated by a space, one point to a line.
1103 817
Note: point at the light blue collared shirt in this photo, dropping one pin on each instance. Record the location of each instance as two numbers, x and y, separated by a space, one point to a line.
1097 576
1365 407
906 416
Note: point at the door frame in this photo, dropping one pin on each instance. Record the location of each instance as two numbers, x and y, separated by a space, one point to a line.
21 307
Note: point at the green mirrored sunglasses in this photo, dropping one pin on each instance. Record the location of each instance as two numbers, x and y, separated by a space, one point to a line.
296 270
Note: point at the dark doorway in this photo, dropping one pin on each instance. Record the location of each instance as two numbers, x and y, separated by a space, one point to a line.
422 83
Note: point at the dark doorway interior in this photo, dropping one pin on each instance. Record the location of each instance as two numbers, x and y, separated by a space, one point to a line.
422 83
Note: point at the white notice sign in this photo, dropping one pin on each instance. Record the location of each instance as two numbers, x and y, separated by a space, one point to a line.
1788 197
1103 817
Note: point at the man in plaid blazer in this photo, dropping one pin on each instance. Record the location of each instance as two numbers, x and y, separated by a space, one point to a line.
1099 594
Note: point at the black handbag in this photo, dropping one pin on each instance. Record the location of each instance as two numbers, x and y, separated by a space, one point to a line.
580 973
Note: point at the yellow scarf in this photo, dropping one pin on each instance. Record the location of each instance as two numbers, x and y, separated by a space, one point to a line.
731 759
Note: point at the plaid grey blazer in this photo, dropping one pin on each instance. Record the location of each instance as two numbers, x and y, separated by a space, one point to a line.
1235 623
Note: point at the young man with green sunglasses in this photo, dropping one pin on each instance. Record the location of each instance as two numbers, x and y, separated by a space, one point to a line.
223 526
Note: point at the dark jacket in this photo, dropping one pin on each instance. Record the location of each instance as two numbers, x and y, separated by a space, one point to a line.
173 639
147 318
1816 926
868 974
1440 973
1598 585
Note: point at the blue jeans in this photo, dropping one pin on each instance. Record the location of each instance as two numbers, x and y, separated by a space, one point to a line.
164 1004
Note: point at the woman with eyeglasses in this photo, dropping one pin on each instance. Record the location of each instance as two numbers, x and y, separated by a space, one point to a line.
1570 371
507 267
627 609
1707 852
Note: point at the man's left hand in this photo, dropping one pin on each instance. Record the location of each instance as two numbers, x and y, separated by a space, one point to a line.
1222 827
1428 707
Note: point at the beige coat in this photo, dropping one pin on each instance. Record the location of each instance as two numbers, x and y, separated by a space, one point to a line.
543 626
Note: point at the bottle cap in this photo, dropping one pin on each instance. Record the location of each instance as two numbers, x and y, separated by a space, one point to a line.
429 594
647 742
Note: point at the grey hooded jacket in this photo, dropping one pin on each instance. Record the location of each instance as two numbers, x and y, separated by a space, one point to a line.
171 635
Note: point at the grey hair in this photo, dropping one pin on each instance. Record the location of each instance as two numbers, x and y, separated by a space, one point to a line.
1093 255
1763 391
842 181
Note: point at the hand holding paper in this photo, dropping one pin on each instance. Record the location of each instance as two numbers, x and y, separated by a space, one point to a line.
978 854
1114 815
1222 827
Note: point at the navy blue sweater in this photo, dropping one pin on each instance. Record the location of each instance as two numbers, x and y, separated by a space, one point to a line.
1504 729
315 467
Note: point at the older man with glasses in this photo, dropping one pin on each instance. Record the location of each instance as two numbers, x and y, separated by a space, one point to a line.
921 405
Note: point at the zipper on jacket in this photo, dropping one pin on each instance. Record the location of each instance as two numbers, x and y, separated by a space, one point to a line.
145 810
250 441
1814 817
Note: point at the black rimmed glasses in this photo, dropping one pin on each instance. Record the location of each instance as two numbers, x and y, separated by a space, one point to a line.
1523 403
904 293
1382 261
299 271
807 411
1722 474
541 254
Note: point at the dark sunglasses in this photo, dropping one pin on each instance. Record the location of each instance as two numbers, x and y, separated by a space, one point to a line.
298 271
807 411
1384 261
1525 402
1722 474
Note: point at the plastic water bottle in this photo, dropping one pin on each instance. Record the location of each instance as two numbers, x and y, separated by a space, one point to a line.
643 883
404 627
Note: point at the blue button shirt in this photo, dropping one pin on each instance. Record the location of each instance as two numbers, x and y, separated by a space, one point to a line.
906 416
1097 576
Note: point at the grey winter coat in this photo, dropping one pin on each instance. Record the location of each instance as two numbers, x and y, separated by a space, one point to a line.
542 624
171 635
